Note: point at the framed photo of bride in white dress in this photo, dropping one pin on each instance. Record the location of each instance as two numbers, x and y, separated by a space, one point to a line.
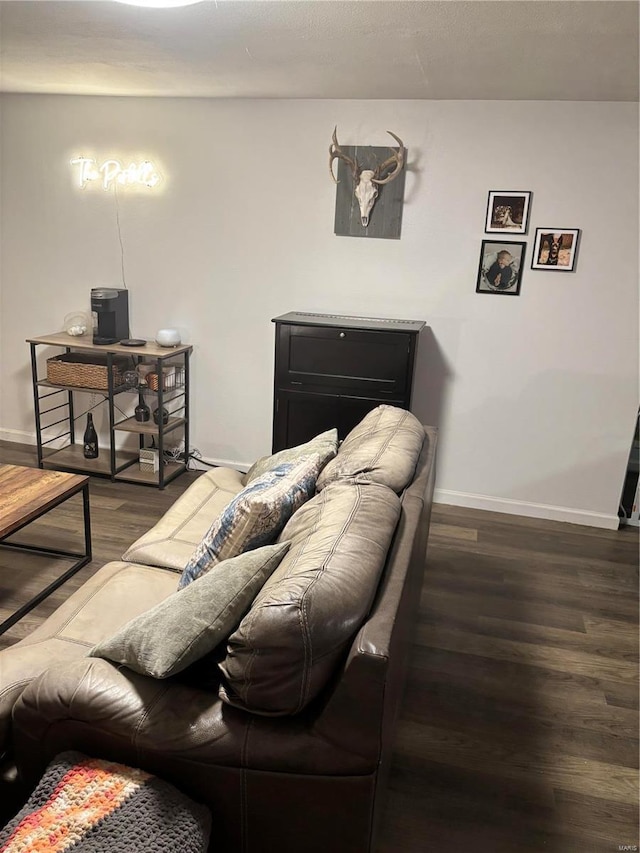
508 210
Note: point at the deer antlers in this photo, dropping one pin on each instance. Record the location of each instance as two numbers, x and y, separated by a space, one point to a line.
397 157
336 152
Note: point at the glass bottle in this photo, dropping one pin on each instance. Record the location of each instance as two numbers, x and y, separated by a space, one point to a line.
161 415
142 412
90 439
130 379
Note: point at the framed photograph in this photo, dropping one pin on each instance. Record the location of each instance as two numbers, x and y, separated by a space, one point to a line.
508 210
555 249
500 269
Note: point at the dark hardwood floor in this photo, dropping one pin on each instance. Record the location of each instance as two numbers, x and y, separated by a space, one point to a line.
519 726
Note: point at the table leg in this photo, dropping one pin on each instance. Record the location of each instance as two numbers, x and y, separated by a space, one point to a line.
87 521
82 560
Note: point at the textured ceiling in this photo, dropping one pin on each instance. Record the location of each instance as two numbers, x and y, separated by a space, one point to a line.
452 49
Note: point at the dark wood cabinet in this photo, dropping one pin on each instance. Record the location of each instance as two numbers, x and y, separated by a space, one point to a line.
330 370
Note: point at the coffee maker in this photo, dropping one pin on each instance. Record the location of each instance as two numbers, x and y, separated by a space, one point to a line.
110 310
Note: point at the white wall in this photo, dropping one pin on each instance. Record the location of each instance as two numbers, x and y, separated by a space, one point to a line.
535 395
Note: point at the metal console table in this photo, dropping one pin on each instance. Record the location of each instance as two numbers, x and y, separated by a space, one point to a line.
54 409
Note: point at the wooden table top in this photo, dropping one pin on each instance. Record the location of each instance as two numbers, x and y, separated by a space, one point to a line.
25 493
85 343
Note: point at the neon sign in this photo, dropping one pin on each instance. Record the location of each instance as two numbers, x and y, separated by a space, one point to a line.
112 172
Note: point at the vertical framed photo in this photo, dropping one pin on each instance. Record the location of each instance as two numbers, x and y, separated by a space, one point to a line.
555 249
508 210
500 268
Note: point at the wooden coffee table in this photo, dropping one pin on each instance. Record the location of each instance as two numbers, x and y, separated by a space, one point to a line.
27 494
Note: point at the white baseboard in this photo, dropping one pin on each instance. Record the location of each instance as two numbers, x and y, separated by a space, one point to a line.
443 496
530 510
223 463
17 435
25 437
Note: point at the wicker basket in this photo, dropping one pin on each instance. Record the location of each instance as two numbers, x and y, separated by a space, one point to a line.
85 370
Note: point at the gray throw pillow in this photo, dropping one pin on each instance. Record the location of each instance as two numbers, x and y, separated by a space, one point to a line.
193 621
324 445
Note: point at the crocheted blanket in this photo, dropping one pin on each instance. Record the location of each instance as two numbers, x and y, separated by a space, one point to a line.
87 805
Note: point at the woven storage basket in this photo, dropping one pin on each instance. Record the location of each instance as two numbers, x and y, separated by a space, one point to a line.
85 370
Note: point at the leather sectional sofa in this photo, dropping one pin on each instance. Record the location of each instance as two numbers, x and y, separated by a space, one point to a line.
293 758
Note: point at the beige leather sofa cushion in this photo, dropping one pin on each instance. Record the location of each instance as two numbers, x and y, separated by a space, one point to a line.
300 624
171 542
383 448
115 594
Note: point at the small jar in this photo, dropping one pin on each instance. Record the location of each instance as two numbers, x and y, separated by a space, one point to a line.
130 378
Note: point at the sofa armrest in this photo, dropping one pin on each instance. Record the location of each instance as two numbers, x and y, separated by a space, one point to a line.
100 708
243 767
166 726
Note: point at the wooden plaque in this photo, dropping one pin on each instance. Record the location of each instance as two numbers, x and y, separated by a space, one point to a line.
385 219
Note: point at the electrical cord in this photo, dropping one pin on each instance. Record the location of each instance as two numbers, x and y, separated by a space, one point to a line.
176 454
115 193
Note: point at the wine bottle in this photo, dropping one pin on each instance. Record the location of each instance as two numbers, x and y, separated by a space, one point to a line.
90 439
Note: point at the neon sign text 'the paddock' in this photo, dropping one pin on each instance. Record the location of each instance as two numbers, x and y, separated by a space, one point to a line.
112 172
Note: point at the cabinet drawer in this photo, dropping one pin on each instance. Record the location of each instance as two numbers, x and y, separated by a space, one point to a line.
356 361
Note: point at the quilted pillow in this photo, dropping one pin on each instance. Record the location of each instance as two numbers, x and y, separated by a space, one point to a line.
324 445
383 448
255 516
190 623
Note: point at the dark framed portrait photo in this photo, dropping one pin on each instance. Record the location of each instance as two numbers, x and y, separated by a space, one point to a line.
555 249
508 210
500 269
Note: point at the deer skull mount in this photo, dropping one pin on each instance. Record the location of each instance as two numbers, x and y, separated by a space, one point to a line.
367 181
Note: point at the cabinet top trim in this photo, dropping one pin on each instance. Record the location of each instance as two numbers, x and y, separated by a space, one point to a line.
307 318
83 342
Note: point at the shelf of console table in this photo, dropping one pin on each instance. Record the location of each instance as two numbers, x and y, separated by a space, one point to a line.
135 475
45 383
148 427
73 457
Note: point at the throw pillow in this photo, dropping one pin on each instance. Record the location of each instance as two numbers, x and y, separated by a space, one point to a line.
324 445
190 623
255 516
383 448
